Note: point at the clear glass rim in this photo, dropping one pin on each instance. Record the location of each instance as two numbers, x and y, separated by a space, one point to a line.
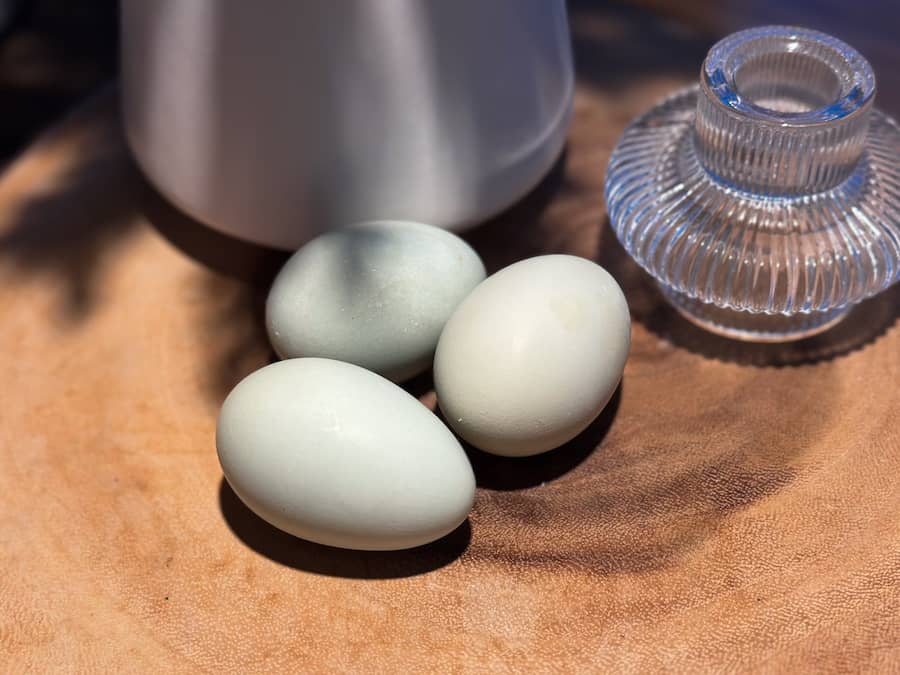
724 60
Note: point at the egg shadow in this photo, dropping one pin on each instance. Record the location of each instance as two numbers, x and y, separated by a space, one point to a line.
290 551
517 473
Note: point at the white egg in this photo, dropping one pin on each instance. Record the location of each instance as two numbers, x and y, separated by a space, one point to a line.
532 355
374 294
337 455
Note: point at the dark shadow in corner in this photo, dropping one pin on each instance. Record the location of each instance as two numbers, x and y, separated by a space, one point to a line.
290 551
419 385
516 473
865 324
616 45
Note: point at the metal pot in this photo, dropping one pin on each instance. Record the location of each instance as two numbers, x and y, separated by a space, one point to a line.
278 120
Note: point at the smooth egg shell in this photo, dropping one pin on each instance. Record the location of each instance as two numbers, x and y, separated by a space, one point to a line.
375 294
532 355
337 455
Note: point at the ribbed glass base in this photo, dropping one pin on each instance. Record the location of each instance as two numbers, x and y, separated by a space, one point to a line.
752 326
766 200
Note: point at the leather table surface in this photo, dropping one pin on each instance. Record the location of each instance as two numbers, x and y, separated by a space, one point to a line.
735 507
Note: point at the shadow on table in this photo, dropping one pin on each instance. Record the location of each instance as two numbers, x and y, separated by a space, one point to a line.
290 551
616 46
865 324
516 473
80 212
623 514
233 280
232 257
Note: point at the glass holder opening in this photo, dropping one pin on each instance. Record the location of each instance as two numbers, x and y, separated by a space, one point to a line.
765 201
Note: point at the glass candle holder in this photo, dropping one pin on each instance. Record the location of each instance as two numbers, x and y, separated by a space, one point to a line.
765 201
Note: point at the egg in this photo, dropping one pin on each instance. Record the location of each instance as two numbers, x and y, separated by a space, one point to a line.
338 455
376 294
532 355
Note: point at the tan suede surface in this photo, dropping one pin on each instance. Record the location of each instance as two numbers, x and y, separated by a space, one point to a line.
734 508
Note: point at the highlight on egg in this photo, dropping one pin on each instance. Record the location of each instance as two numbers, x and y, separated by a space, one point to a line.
335 454
532 356
375 294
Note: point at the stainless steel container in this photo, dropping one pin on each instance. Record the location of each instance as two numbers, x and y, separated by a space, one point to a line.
274 121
